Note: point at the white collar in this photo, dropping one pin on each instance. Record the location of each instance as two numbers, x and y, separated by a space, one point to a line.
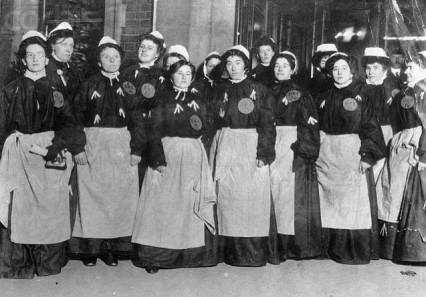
147 65
344 85
111 76
235 81
266 64
35 75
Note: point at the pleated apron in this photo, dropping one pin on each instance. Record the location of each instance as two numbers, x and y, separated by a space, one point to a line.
343 190
174 206
40 207
108 186
243 189
402 159
283 178
379 165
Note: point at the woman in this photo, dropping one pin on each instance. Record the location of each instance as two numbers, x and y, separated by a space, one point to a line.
293 174
175 53
141 83
411 107
34 200
209 74
107 168
265 49
64 74
351 142
382 89
242 153
321 81
174 224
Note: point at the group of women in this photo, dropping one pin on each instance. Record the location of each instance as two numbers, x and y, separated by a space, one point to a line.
155 165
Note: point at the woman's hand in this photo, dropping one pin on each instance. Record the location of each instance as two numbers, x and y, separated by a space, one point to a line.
135 160
260 163
363 166
160 168
81 158
421 166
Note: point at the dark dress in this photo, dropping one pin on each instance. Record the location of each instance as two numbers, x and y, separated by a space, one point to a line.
320 82
257 116
180 117
106 105
298 116
29 107
141 86
346 116
263 74
410 239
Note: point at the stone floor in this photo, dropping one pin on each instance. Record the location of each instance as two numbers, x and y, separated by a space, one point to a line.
293 278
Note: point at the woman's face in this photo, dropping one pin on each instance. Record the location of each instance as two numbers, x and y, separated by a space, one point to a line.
375 72
63 49
211 64
282 69
265 54
35 58
171 61
148 51
414 72
110 60
182 78
323 61
341 72
235 67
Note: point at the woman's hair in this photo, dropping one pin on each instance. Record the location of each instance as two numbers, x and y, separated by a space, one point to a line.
176 66
316 58
22 51
385 62
159 42
167 56
288 57
238 53
418 59
59 35
111 45
351 60
265 40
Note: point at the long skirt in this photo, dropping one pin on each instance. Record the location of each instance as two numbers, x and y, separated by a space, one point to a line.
392 186
34 209
244 199
410 242
175 220
295 201
347 200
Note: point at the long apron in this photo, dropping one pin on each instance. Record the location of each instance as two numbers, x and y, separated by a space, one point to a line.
378 167
108 186
283 179
39 213
343 190
174 206
243 189
401 159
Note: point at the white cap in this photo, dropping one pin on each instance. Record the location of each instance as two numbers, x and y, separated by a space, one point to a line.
212 54
338 53
327 47
208 56
158 35
61 26
375 52
107 39
423 53
33 33
179 49
295 59
241 49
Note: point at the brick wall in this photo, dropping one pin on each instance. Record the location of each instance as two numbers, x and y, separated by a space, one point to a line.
138 21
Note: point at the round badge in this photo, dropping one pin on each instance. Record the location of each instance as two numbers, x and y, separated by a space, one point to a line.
395 92
293 95
407 102
245 105
148 90
129 88
58 99
195 122
350 104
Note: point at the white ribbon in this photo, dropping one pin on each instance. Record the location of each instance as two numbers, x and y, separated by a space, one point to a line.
285 101
322 104
121 113
120 91
253 95
97 119
193 105
95 95
225 97
178 109
358 98
312 121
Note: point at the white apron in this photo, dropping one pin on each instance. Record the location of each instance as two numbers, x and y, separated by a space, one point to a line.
40 208
282 179
378 166
174 206
402 158
108 186
343 189
244 195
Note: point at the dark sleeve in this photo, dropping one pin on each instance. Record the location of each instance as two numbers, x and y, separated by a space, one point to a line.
373 145
80 103
137 126
308 139
266 129
4 111
156 150
209 130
